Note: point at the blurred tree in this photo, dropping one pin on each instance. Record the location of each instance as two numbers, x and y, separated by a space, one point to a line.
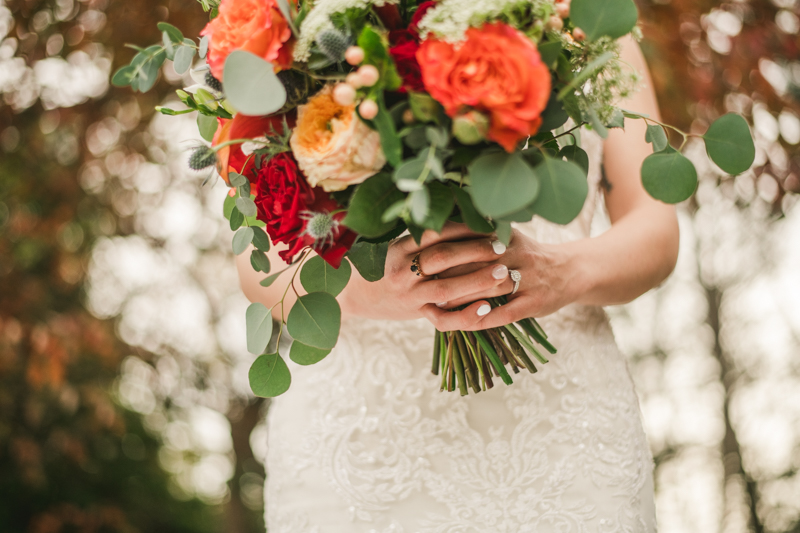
72 458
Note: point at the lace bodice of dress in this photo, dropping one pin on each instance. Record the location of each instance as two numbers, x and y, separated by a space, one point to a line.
365 442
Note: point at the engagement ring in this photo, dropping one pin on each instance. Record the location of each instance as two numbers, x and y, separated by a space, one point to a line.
415 267
516 277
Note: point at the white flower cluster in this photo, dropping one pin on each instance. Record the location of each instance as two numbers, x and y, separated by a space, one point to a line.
319 18
450 19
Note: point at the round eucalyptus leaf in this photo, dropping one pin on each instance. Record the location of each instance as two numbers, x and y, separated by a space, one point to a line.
657 137
598 18
306 355
318 276
269 376
236 218
258 320
251 85
729 144
669 177
203 47
420 203
259 261
563 190
502 183
315 320
577 155
207 126
246 206
242 239
183 59
260 240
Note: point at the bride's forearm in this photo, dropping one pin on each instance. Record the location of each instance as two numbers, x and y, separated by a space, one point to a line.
635 255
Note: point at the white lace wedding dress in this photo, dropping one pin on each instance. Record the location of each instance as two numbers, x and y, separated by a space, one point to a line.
364 442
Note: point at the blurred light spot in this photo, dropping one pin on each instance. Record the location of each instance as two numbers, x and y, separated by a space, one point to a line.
92 178
258 442
765 124
71 236
55 43
211 430
725 22
789 126
9 139
768 188
65 9
41 20
787 21
774 74
252 490
49 121
92 20
6 21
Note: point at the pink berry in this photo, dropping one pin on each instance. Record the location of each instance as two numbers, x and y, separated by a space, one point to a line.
354 55
354 80
578 34
344 94
562 10
555 23
369 75
368 109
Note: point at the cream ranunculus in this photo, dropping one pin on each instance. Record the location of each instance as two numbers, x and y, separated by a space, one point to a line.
333 147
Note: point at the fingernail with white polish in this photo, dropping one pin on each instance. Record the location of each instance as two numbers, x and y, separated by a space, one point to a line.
484 310
441 304
500 272
498 247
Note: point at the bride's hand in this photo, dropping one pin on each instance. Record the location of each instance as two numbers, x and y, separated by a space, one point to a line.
550 280
402 295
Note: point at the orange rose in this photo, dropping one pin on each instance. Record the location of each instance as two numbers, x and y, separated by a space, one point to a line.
255 26
231 158
496 70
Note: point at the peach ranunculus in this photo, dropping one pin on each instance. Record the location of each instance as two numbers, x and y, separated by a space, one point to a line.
496 70
255 26
333 147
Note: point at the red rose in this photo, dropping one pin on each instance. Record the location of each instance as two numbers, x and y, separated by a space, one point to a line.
404 53
284 199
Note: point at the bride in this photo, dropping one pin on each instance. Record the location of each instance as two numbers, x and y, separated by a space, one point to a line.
365 442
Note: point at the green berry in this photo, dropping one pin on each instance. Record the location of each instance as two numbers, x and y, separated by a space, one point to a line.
202 157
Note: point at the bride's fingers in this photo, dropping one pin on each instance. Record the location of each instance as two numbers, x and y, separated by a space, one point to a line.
446 255
462 270
477 316
452 289
500 290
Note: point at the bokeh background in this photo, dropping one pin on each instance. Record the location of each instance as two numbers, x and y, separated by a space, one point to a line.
124 405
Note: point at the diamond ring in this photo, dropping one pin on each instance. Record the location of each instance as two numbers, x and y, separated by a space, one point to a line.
516 277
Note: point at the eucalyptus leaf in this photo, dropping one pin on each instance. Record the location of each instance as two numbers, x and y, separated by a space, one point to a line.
554 116
259 261
370 200
612 18
390 141
315 320
502 183
251 85
246 206
260 240
419 202
258 320
669 177
549 52
469 214
123 76
203 48
174 33
236 179
729 144
269 376
441 206
207 126
597 126
657 137
318 276
169 48
183 59
563 190
503 232
577 155
369 259
306 355
236 219
409 170
242 239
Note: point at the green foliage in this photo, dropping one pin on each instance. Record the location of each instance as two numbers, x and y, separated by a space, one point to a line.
315 319
318 276
260 240
368 204
657 137
469 214
207 125
668 176
730 145
242 239
306 355
376 52
369 259
390 141
563 190
609 18
269 376
577 155
502 183
251 85
259 261
258 320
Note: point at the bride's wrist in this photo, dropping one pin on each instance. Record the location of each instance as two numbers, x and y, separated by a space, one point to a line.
577 272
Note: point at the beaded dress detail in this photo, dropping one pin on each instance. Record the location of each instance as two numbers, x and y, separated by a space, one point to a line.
364 442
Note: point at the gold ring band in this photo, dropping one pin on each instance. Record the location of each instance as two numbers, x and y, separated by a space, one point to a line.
416 268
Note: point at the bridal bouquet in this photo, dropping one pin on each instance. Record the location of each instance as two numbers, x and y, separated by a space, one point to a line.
340 124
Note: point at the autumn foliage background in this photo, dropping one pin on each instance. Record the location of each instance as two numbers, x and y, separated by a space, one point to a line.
123 405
